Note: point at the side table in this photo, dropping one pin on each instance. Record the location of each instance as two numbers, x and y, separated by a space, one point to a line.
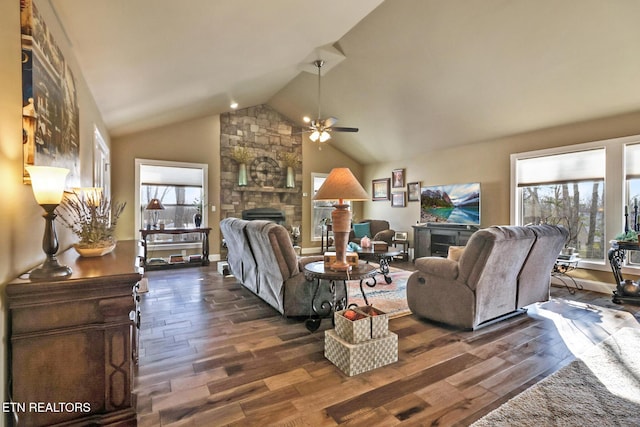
617 254
204 232
315 271
405 248
560 270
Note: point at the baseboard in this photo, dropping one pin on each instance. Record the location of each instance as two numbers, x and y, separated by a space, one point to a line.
587 285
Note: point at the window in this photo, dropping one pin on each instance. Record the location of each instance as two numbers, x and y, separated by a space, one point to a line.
181 188
320 209
591 184
565 189
102 167
632 192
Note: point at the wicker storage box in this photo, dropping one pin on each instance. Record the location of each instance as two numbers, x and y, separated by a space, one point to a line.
352 331
379 321
366 327
354 359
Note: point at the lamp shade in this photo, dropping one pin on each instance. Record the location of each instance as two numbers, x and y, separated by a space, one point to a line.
341 184
155 205
47 183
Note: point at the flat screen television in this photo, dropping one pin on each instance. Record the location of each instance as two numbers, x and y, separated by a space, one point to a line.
452 204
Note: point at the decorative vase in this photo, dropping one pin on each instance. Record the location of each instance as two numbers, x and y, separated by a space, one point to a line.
242 174
197 219
95 250
291 178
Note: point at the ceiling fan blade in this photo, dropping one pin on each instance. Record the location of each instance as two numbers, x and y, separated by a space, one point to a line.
328 122
343 129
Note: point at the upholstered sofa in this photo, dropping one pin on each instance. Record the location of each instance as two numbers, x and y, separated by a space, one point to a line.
375 229
501 270
262 258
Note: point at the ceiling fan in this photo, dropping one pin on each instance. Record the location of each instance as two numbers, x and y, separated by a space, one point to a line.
321 128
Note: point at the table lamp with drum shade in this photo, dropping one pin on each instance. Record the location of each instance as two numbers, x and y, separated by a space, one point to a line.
154 207
341 185
48 185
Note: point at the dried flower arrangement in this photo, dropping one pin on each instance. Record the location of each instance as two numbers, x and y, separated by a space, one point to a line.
91 216
290 159
240 154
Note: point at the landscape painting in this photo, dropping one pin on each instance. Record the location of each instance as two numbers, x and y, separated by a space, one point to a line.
453 204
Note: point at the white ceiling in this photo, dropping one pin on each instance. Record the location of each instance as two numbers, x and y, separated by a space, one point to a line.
413 75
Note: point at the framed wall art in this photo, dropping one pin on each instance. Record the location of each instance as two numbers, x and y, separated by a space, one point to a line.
398 200
380 189
398 178
413 191
50 111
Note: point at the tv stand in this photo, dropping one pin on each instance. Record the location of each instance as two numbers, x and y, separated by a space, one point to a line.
434 239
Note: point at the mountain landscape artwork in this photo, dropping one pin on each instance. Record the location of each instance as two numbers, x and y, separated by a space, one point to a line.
453 204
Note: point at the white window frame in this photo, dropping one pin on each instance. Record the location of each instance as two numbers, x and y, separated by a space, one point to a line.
614 189
101 163
205 191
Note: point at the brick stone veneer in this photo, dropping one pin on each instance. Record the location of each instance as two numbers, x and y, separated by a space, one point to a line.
265 133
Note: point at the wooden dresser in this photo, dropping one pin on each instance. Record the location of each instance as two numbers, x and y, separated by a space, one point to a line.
71 342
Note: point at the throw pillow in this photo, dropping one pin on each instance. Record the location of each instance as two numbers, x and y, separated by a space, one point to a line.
362 229
455 252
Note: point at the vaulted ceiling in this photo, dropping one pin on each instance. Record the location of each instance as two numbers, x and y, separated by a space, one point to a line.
413 75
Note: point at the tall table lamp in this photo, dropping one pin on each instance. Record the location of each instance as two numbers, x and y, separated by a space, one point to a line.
341 185
155 206
48 184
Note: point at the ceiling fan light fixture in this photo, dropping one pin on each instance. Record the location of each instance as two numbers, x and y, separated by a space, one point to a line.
324 136
306 119
315 135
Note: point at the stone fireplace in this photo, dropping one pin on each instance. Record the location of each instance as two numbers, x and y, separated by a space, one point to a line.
270 138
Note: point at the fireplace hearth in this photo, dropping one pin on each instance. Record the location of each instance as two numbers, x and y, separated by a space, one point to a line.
267 214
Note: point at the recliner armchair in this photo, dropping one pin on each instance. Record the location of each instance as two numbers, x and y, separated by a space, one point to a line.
378 229
501 270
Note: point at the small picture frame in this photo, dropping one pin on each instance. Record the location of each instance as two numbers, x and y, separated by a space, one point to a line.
413 191
397 177
398 200
380 189
401 236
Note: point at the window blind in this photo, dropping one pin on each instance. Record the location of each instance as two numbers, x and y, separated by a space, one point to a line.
170 176
586 165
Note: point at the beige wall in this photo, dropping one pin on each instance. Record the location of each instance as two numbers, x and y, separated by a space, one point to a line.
195 141
21 223
489 163
199 141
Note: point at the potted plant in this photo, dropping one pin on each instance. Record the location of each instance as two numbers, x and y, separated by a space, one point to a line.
290 161
242 156
93 218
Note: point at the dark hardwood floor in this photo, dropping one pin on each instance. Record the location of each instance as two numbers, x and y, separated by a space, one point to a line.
212 353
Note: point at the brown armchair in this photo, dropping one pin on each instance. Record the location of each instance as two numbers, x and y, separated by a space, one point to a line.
375 229
501 270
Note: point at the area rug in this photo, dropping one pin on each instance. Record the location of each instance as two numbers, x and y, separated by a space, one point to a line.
390 298
599 388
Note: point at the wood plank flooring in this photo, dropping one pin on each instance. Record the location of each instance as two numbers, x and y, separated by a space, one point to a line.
213 354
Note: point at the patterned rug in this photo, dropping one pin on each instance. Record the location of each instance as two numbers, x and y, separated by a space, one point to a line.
390 298
601 387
